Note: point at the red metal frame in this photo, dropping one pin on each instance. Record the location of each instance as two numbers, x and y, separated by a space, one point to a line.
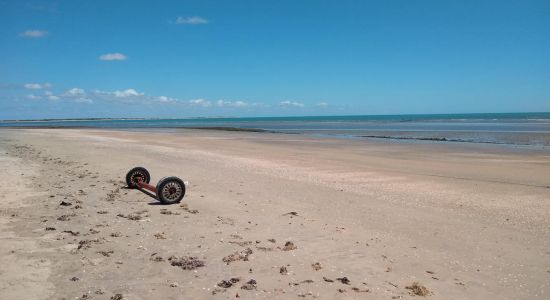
143 185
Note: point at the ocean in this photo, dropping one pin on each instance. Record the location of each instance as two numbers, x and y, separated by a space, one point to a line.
530 129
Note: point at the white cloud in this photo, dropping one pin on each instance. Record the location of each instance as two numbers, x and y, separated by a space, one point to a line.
33 97
127 93
51 96
165 99
37 86
191 21
34 33
74 92
84 100
322 104
200 102
222 103
113 56
291 104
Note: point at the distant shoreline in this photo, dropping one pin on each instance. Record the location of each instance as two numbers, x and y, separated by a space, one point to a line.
445 116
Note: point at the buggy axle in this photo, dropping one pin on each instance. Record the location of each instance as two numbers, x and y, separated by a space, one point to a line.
169 190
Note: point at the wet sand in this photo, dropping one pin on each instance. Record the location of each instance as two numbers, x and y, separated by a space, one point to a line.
270 216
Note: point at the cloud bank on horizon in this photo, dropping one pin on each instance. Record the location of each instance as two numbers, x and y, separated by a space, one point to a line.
241 59
42 95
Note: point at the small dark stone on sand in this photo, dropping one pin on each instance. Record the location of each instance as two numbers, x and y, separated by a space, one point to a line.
63 203
64 218
73 233
186 262
316 266
343 280
272 240
328 279
289 246
74 278
249 285
283 270
50 228
225 284
117 297
418 289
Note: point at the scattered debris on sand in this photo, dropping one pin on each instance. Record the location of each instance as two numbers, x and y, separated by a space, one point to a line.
112 195
272 240
227 221
133 217
116 234
73 233
225 284
65 217
327 279
160 236
50 228
298 283
358 290
238 255
343 280
241 243
186 208
165 211
186 262
117 297
291 214
106 253
155 257
418 289
249 285
289 246
218 290
102 212
86 244
265 249
316 266
283 270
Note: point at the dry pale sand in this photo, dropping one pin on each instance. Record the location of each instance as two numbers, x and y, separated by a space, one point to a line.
364 219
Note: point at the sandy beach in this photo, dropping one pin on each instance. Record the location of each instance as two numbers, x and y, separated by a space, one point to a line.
270 216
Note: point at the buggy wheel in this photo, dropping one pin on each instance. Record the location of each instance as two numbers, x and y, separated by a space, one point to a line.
170 190
135 175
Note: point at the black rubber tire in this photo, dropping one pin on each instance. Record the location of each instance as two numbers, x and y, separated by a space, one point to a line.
135 172
170 190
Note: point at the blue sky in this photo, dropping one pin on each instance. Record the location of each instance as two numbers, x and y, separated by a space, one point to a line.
272 58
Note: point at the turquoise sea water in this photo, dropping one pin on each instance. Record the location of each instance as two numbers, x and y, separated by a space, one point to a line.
510 128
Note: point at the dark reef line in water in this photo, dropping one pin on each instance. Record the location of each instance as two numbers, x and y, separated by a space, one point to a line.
442 139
